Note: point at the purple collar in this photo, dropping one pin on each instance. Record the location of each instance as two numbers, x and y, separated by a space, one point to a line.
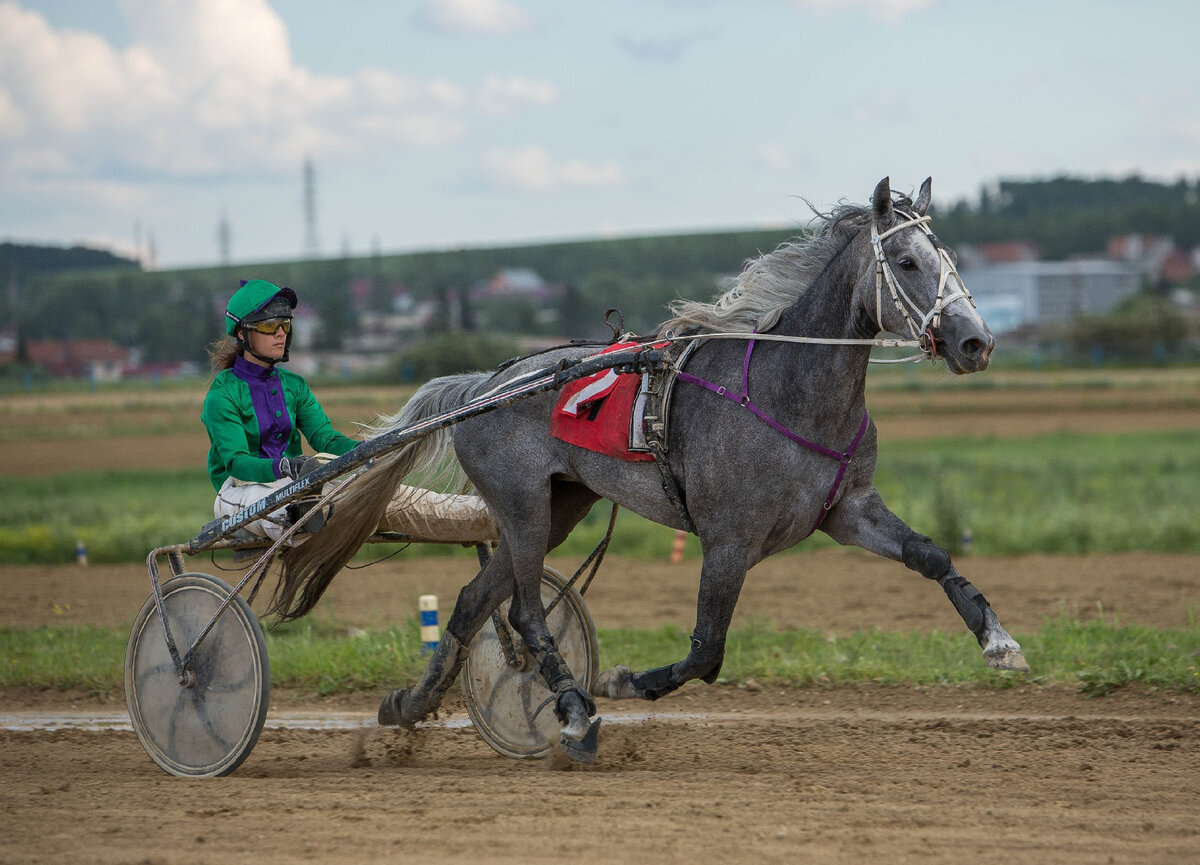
743 399
270 406
249 371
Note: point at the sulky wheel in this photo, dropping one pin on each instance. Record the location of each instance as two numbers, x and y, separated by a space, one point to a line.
503 687
207 726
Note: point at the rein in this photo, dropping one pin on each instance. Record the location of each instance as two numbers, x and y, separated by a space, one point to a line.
817 340
922 333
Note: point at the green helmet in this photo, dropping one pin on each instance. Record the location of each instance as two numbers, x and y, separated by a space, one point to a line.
257 300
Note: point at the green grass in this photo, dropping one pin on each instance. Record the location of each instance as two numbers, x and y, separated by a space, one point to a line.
1097 657
119 515
1063 493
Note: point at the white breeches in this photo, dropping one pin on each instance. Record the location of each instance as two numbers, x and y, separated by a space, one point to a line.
235 495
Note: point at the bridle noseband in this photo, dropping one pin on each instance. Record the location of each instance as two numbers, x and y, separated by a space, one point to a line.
931 320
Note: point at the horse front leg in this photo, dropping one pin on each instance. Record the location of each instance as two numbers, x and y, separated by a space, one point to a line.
865 521
721 579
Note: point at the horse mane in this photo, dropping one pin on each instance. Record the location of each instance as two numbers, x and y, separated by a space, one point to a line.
773 281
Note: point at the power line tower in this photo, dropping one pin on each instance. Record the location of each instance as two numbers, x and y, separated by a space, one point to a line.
311 244
224 239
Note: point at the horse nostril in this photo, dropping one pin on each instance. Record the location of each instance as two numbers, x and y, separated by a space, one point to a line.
972 346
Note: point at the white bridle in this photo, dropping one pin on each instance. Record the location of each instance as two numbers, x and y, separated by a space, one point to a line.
932 319
922 334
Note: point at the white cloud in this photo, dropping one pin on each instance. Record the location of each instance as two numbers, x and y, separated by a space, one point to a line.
660 49
775 156
13 121
532 169
476 17
208 89
501 95
578 173
891 11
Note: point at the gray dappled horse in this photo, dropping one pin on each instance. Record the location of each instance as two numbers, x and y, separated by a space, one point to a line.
769 440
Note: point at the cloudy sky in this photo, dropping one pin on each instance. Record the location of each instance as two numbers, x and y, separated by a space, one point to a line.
433 124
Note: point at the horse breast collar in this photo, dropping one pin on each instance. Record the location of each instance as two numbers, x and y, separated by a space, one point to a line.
743 399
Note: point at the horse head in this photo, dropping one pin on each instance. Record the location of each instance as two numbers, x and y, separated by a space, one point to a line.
918 275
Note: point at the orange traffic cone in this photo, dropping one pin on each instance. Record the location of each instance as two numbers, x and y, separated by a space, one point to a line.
677 548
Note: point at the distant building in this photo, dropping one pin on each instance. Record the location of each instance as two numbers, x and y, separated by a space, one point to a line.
1177 268
1022 293
971 255
1159 259
520 283
95 359
516 282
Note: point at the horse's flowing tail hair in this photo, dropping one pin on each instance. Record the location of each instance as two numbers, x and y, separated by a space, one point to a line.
310 567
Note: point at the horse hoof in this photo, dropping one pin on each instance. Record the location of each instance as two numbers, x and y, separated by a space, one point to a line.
1007 659
616 684
390 714
582 750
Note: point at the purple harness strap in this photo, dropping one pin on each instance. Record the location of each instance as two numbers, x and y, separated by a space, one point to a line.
743 399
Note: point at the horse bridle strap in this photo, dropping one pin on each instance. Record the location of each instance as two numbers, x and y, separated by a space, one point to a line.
743 399
932 319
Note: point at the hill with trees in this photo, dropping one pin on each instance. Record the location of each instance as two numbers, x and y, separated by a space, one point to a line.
174 315
1068 216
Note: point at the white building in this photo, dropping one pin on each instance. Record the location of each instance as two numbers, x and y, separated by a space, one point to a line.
1040 292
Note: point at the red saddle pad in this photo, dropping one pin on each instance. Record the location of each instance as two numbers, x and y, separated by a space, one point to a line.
597 412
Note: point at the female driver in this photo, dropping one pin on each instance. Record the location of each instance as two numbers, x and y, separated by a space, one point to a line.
255 412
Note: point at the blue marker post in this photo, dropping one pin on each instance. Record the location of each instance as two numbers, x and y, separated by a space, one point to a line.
428 605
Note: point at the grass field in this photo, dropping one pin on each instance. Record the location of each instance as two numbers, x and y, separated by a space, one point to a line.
1061 493
1022 462
1098 657
1016 460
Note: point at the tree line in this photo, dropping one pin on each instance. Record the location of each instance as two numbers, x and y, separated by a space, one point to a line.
50 293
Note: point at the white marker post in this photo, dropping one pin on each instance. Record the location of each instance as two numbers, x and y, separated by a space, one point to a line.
428 605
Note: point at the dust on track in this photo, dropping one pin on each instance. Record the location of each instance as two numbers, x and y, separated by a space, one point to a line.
722 773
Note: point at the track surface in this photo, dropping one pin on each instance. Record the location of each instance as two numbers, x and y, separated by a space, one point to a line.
716 774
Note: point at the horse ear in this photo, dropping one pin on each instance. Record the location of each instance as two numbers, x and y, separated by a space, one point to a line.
881 199
924 197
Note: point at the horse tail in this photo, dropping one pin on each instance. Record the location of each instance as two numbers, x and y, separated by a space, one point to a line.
308 569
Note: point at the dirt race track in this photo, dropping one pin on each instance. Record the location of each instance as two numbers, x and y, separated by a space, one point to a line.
714 774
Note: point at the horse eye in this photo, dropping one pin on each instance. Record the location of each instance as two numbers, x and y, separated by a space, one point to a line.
907 263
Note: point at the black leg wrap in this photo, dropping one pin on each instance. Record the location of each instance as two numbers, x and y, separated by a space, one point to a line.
922 555
557 676
663 680
655 683
970 603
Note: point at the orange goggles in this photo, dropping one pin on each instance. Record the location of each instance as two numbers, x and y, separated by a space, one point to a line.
270 325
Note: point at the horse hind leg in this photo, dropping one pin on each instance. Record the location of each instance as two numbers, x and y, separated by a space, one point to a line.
404 707
573 706
407 706
568 503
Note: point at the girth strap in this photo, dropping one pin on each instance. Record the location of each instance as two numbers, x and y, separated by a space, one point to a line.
655 429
